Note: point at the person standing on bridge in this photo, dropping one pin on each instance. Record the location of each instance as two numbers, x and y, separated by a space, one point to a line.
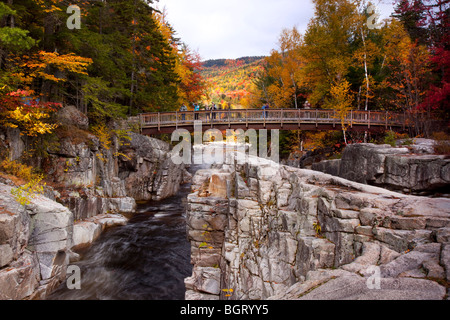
214 109
196 110
307 105
265 112
183 109
208 113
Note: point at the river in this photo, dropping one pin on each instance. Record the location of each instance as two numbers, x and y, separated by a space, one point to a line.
147 259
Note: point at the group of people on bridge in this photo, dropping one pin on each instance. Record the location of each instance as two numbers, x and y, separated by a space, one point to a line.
214 114
213 107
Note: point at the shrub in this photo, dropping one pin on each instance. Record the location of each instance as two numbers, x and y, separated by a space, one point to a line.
407 142
103 134
442 145
25 193
390 138
33 181
18 169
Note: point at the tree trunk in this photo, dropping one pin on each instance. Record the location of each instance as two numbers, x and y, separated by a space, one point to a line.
133 71
11 17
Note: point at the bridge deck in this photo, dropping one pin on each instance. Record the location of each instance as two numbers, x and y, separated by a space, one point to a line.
283 119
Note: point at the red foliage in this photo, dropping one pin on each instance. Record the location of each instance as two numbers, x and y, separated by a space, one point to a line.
438 96
24 99
435 17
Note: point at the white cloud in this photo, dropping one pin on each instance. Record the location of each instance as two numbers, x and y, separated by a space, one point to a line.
235 28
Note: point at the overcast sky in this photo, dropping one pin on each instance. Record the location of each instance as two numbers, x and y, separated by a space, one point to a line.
232 29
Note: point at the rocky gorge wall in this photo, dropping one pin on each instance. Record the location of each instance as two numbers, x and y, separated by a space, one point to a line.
413 169
37 242
90 186
266 231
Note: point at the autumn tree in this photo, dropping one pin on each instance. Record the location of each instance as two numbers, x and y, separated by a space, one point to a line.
284 77
31 116
412 14
408 64
437 20
341 100
12 40
327 50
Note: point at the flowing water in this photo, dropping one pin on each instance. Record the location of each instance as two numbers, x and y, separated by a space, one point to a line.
147 259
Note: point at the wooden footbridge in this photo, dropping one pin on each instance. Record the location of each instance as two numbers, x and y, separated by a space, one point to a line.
282 119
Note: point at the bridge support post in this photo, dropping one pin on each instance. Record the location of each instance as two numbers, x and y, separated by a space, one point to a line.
246 119
281 118
387 113
351 118
264 121
159 121
176 120
334 118
369 120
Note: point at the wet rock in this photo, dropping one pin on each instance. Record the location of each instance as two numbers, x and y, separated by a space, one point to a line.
87 231
84 233
205 280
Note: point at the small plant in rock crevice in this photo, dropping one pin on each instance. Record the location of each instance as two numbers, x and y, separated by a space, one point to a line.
25 193
317 229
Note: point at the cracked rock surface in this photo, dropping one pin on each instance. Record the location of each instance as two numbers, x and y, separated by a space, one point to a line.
411 169
289 233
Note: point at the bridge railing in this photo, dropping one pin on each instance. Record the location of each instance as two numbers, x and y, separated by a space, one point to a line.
180 118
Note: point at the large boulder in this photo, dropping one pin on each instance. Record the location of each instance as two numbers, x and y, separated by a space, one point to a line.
71 116
50 234
35 242
411 169
364 162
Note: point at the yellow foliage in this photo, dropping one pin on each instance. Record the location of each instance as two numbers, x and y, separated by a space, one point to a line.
17 169
36 65
103 134
31 121
25 193
341 100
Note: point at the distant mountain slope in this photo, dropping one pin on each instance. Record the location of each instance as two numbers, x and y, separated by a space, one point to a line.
231 79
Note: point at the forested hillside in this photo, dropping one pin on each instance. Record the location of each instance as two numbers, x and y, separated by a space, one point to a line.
108 58
230 81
